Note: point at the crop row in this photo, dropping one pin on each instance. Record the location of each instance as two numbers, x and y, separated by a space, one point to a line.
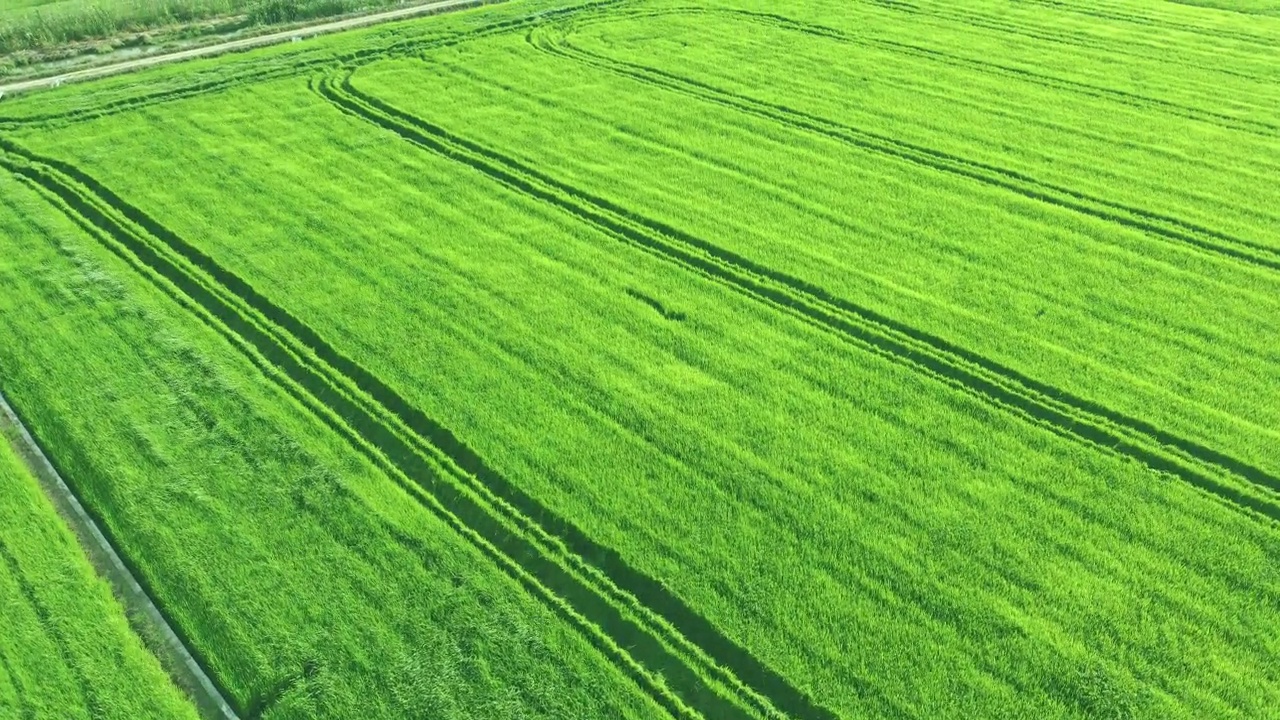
1156 224
1132 99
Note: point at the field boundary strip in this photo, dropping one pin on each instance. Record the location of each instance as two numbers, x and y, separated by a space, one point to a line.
1250 489
781 22
243 44
680 658
299 67
1156 225
172 651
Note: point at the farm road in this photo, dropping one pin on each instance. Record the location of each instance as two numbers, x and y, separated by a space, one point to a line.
242 44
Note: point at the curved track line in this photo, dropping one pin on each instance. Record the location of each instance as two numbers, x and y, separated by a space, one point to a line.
1155 224
662 636
1251 488
171 649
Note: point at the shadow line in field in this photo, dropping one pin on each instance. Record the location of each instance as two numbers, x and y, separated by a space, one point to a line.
1155 224
1063 413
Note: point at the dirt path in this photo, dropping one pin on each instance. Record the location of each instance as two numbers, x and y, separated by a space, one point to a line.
242 44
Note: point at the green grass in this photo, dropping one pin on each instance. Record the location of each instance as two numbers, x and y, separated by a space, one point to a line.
66 649
1248 7
308 582
875 360
47 25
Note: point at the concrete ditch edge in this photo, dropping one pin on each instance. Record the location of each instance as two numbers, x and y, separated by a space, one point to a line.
143 614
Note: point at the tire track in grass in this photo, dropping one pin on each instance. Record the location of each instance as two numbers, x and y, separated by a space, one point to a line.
422 479
25 708
782 22
1157 225
1101 11
669 653
622 583
1068 38
1235 482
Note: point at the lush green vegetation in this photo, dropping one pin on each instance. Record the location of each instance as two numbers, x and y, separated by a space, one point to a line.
1252 7
744 359
309 583
45 25
66 649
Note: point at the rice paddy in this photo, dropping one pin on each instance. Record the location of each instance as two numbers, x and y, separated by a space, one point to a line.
666 359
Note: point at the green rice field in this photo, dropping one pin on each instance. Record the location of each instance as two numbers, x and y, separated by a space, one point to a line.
66 649
679 358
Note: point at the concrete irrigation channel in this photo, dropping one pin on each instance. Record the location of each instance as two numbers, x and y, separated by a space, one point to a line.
142 612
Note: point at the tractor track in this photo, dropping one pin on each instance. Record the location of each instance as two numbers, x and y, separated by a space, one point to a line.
1249 488
681 659
1157 225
